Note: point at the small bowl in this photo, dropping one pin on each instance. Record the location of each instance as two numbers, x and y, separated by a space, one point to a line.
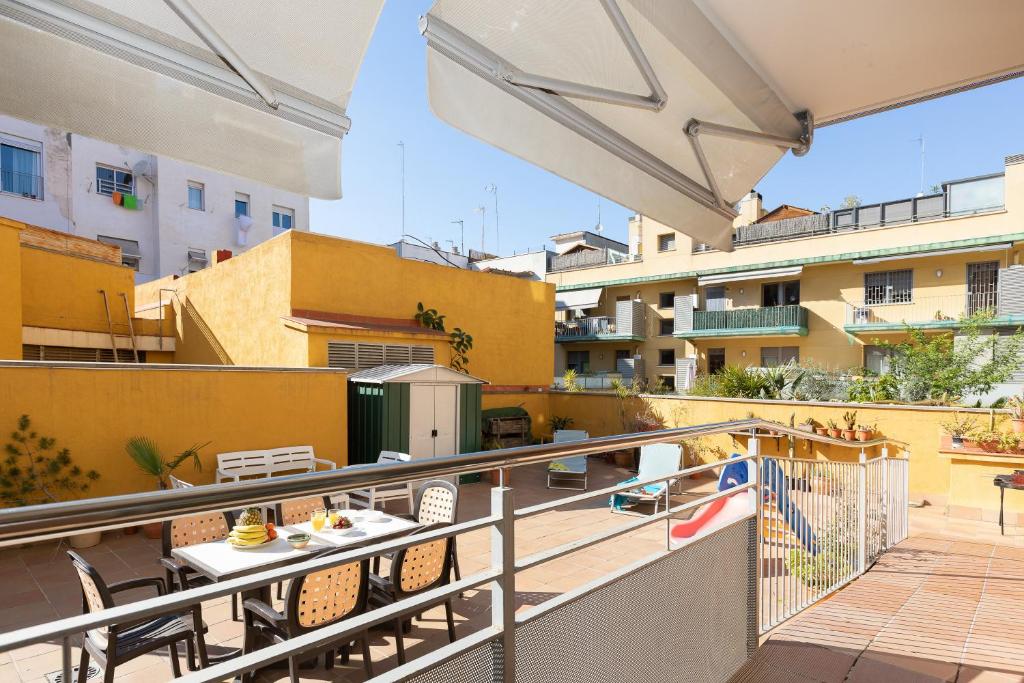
373 516
298 541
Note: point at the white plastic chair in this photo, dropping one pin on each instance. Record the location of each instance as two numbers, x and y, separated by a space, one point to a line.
572 469
370 498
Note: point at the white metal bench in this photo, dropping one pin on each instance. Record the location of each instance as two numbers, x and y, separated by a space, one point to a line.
371 498
266 463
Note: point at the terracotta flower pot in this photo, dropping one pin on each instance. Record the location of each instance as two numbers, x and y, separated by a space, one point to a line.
153 530
1017 426
863 435
849 434
821 431
965 443
835 433
623 458
495 476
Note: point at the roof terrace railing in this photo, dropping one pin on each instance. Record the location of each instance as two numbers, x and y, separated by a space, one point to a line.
47 521
958 198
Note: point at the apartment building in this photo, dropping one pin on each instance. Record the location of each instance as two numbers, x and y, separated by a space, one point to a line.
167 217
799 285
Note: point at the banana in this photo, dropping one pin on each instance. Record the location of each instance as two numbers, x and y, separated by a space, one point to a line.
248 528
245 541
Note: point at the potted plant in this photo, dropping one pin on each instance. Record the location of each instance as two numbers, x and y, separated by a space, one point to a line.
865 432
958 427
988 440
146 455
1016 406
850 420
1008 442
34 471
833 429
808 425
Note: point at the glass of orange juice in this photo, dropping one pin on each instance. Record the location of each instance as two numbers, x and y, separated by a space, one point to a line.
333 515
318 519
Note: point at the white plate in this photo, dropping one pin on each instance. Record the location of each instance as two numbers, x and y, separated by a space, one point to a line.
268 542
351 531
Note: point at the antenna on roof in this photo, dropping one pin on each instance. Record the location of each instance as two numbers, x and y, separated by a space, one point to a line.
598 228
920 141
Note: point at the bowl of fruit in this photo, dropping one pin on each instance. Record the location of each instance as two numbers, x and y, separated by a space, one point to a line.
251 531
343 526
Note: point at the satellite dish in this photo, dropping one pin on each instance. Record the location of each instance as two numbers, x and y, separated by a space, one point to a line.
143 169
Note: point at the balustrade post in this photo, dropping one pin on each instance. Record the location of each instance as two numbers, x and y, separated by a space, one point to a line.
503 593
862 486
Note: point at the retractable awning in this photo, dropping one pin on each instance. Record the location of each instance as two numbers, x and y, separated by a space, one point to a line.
676 108
580 299
763 274
254 88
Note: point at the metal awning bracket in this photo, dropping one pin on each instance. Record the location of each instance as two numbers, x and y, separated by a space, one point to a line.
695 127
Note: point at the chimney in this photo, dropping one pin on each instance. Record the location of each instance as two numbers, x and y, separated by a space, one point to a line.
750 209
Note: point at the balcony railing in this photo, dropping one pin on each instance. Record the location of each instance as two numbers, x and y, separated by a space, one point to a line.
757 321
590 259
585 327
960 198
923 311
22 184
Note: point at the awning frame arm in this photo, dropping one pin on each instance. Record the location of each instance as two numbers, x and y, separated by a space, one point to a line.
202 28
655 101
695 127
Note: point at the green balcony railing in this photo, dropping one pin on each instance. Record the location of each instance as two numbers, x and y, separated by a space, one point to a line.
790 318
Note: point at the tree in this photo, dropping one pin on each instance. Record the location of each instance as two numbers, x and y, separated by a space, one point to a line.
850 201
946 367
35 471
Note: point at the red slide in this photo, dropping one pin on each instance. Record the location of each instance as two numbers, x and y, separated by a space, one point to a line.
704 515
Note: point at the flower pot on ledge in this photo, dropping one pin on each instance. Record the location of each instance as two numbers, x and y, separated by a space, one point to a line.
849 434
821 431
835 433
864 435
1017 426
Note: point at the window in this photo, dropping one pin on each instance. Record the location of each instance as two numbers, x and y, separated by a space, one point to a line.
666 356
666 326
889 287
578 361
666 299
196 196
283 219
624 297
667 242
714 298
668 382
716 360
131 256
110 180
772 356
241 204
19 168
622 354
780 293
876 358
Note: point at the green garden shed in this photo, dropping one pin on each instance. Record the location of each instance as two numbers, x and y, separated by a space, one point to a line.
423 410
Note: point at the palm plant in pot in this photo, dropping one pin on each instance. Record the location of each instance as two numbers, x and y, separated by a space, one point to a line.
146 455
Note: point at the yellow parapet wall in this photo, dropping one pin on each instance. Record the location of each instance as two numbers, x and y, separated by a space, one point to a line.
961 482
93 411
10 290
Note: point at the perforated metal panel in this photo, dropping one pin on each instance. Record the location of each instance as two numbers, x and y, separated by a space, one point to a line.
474 666
690 616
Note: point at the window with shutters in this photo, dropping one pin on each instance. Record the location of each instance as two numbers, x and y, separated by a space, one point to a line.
356 356
71 354
772 356
889 287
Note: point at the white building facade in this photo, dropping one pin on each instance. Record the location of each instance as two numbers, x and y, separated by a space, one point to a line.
169 217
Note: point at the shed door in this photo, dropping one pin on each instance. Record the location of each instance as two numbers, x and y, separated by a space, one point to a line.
446 419
421 421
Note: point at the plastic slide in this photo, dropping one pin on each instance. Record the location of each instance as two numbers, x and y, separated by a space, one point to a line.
720 512
776 489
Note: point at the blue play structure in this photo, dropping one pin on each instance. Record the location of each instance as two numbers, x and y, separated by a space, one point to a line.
774 481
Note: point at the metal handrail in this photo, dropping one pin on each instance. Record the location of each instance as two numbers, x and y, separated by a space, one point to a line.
55 520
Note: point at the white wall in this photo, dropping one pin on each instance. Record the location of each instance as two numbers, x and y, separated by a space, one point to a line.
53 210
165 227
418 252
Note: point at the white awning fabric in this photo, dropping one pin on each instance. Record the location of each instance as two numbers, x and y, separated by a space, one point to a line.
580 299
763 274
611 94
254 88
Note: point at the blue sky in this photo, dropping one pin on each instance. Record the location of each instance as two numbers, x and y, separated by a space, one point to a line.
875 158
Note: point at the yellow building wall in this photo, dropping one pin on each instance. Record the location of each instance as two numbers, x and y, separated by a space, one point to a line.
511 319
62 291
10 291
965 487
93 412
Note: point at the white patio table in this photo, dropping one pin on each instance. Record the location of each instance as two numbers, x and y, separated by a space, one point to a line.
219 561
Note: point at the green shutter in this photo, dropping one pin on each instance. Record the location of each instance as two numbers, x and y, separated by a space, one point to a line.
469 423
364 422
395 419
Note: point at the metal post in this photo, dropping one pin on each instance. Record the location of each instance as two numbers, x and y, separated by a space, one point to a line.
503 594
884 492
861 505
65 658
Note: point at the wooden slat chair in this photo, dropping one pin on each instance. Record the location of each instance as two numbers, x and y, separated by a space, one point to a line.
190 530
415 570
121 643
313 601
437 502
297 511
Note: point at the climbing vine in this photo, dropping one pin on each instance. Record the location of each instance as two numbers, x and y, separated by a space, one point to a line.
460 342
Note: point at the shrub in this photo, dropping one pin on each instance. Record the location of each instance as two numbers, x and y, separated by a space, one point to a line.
35 471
